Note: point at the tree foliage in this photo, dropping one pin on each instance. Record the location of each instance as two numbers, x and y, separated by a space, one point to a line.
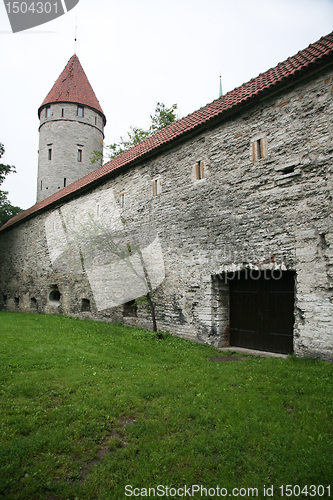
4 169
162 118
7 211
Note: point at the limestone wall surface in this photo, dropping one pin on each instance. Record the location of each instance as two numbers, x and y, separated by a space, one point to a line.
264 201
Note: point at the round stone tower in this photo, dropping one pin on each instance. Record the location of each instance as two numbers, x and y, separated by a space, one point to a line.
71 128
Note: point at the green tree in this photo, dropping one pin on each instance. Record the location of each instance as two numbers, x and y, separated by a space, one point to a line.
7 211
162 118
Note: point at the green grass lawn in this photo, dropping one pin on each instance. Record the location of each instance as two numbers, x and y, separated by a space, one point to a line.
88 408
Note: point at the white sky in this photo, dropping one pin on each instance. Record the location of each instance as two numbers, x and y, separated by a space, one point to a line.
138 52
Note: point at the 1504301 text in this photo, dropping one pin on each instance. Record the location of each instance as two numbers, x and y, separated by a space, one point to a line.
32 7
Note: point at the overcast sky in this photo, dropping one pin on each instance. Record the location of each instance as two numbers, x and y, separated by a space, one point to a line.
138 52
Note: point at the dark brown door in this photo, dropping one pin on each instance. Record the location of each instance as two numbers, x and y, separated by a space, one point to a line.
262 310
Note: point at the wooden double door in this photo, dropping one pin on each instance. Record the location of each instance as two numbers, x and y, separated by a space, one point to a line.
262 310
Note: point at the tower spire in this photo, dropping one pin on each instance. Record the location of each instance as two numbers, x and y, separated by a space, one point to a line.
220 93
75 35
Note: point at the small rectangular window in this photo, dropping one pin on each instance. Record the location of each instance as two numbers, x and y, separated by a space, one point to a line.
155 186
130 309
199 176
47 111
62 113
50 154
65 181
79 155
258 150
95 120
122 200
199 170
41 185
80 111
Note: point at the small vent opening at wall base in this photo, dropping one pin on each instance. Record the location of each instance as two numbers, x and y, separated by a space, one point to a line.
54 296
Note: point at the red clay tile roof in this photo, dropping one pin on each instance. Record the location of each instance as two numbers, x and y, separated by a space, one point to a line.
317 54
73 86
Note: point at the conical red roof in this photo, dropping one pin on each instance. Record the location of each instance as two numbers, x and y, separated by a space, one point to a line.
73 86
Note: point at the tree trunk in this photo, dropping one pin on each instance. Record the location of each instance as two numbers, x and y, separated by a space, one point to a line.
152 311
148 296
153 317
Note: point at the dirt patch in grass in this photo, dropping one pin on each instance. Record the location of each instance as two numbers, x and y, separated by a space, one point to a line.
110 444
128 421
221 359
289 409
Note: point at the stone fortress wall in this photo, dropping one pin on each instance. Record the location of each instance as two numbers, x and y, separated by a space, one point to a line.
252 192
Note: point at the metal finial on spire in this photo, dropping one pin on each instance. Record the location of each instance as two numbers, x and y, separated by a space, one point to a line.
220 93
75 35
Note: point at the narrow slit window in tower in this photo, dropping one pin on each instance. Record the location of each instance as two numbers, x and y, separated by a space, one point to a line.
47 111
65 181
80 111
50 154
62 112
79 155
